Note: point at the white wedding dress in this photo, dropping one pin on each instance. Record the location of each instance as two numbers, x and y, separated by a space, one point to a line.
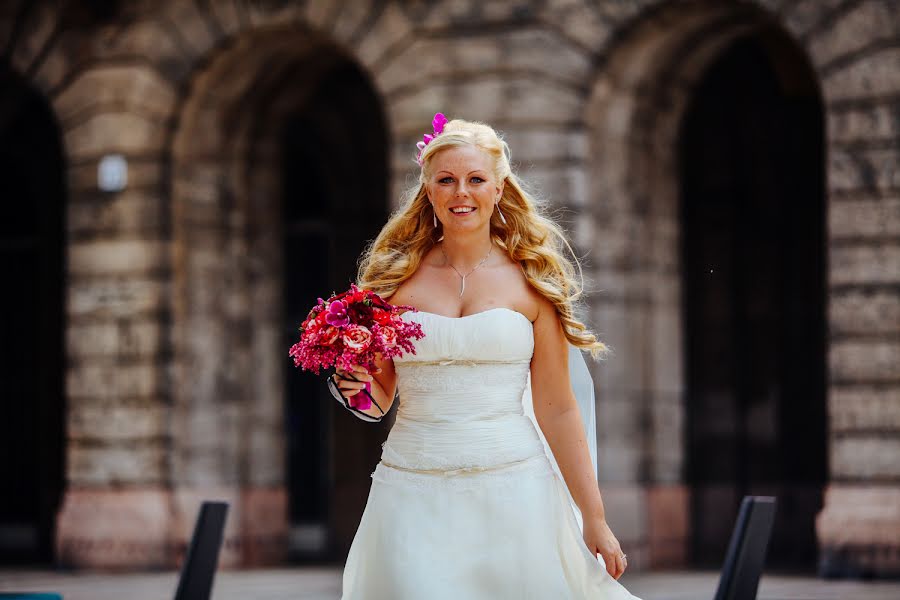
464 504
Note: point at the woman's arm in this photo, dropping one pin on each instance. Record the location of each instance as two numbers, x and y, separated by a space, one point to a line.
556 412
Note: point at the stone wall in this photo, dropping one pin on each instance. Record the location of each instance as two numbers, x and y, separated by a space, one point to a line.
566 82
859 68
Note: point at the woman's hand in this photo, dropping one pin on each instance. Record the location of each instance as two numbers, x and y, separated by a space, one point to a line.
600 540
346 385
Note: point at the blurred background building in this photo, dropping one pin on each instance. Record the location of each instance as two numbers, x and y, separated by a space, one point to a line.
182 178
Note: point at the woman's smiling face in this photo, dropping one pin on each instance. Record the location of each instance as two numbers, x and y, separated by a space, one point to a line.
462 188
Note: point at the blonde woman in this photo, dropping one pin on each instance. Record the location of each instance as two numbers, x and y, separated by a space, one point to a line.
467 502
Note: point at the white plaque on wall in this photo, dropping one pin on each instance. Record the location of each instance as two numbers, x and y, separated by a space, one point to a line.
112 173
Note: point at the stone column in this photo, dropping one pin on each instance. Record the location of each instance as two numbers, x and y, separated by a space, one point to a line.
116 507
859 526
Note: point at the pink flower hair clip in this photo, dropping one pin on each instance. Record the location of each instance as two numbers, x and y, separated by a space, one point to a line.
437 124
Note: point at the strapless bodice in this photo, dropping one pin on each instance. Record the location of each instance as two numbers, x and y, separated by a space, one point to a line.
460 402
495 335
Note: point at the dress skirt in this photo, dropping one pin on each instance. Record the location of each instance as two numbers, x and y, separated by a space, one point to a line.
507 531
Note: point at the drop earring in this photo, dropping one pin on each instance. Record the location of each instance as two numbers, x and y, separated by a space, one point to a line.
502 218
434 214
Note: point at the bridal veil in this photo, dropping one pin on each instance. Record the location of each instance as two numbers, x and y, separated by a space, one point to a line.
583 388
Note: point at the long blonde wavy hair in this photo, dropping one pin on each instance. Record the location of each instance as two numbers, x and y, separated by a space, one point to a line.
530 236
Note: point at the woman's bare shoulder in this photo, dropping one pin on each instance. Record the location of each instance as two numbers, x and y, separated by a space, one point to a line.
416 285
510 278
407 292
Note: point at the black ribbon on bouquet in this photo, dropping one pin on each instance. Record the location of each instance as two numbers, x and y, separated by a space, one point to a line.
345 402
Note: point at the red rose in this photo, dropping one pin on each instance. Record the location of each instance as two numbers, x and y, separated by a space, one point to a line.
388 336
382 317
357 337
329 335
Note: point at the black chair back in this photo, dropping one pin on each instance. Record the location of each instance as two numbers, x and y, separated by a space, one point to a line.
747 549
199 567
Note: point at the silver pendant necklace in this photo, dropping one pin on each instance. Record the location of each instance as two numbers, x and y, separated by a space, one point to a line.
462 284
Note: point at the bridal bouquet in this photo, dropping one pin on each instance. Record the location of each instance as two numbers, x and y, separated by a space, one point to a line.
352 328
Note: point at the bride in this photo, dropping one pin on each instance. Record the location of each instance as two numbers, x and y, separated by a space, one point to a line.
466 502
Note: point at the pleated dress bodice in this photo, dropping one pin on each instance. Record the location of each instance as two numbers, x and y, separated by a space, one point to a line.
460 394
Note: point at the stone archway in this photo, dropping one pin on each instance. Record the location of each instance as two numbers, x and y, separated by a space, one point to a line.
135 482
335 181
637 111
244 195
752 229
32 233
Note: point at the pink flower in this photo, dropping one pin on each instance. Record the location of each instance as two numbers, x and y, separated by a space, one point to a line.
388 336
337 314
357 337
438 122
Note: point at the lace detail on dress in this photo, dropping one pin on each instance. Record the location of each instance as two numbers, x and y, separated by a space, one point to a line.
501 475
456 375
449 457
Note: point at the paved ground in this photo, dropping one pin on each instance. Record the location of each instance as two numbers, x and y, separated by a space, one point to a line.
325 584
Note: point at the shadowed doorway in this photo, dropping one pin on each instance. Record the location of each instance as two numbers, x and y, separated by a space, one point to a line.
335 181
753 227
279 178
31 322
